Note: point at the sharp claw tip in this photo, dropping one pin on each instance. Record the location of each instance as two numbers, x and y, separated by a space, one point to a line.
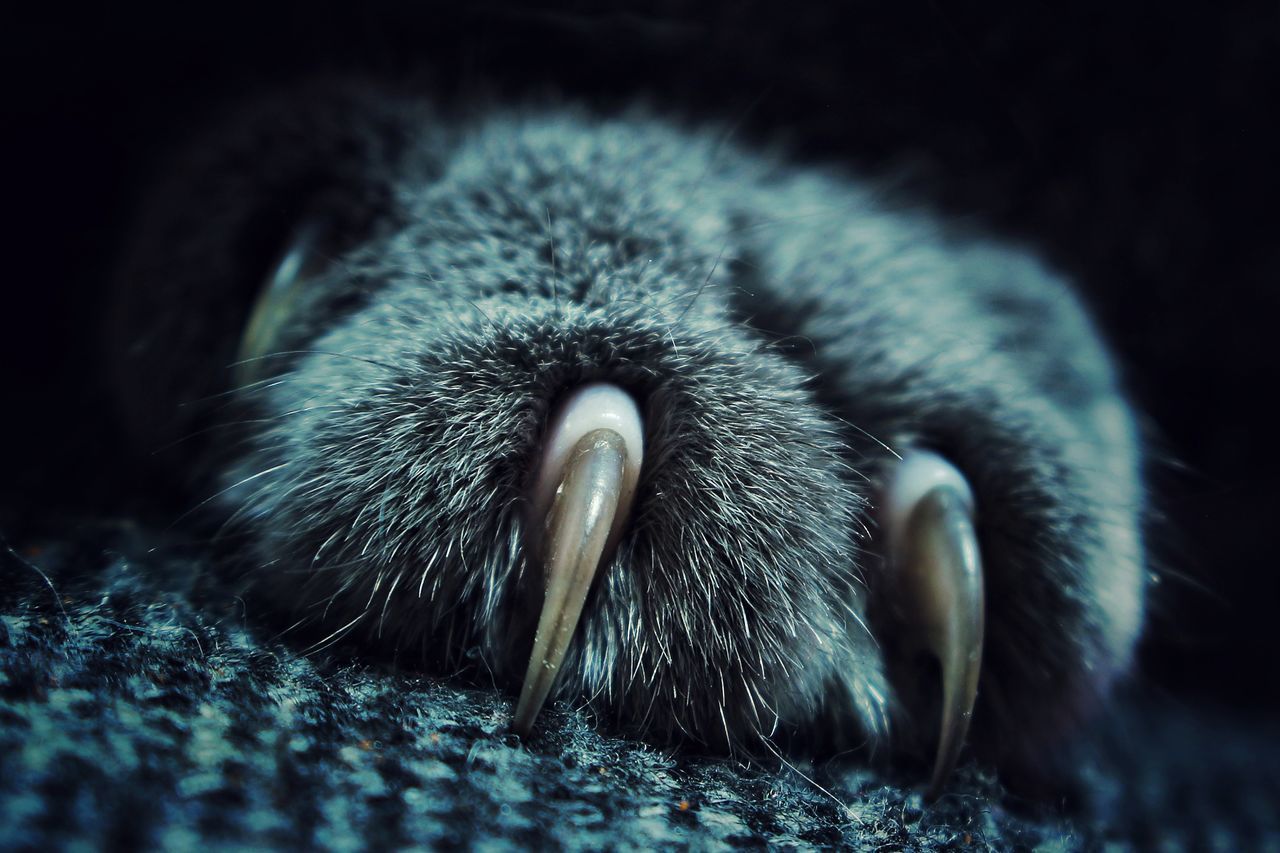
935 546
582 497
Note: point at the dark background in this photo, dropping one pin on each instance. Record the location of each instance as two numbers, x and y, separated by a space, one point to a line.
1135 148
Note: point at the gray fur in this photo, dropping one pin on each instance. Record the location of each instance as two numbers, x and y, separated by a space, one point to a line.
785 332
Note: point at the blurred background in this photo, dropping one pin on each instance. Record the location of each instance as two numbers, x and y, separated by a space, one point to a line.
1137 150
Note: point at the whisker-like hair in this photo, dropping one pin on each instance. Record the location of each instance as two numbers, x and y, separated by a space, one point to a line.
722 144
715 266
335 637
224 491
283 353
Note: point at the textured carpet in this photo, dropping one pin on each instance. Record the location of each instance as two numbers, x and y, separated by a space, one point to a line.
142 704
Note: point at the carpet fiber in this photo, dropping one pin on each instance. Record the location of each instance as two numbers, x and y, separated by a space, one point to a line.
142 704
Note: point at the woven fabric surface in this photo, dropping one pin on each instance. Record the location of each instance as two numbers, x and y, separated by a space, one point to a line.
143 705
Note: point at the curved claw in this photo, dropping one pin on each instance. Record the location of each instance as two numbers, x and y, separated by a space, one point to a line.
280 298
581 500
582 514
939 569
946 570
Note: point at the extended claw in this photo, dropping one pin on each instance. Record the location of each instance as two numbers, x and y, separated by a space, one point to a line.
589 486
938 571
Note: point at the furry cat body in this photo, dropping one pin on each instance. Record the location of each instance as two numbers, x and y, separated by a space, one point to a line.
785 333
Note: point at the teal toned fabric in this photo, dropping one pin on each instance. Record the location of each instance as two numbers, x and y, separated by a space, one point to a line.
140 706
